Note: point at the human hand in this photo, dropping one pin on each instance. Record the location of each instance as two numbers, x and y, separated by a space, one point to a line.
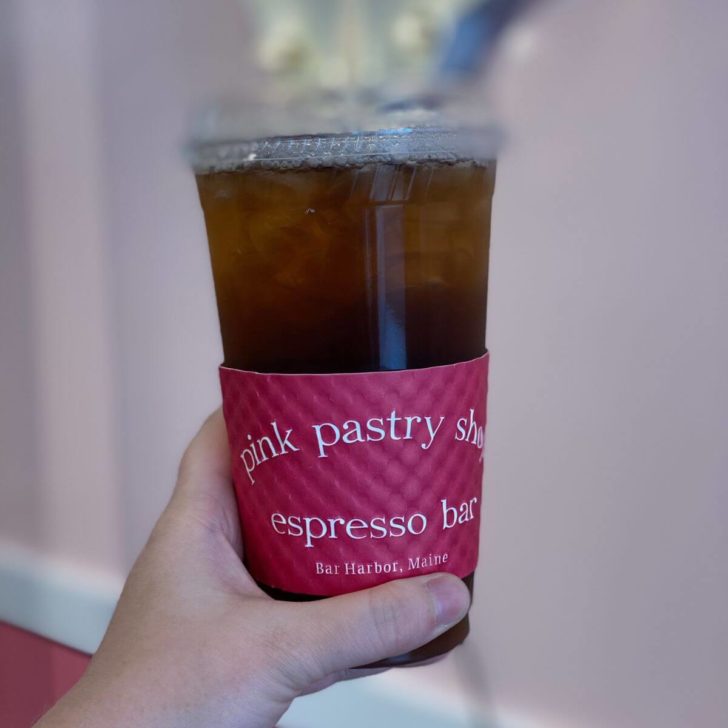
195 642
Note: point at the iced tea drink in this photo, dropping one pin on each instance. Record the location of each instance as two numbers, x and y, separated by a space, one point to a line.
331 256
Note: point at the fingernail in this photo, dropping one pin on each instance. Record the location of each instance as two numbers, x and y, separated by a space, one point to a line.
451 598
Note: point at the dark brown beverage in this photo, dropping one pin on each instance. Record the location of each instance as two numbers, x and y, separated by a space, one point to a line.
351 264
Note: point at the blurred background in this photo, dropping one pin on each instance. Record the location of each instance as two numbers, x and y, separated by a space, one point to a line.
602 590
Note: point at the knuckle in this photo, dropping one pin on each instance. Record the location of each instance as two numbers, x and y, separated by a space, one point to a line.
186 464
391 620
278 645
286 656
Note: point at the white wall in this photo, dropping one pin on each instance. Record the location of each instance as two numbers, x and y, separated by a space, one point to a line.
605 594
155 63
603 584
17 405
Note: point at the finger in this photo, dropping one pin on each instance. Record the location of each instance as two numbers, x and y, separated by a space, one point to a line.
371 625
204 488
206 461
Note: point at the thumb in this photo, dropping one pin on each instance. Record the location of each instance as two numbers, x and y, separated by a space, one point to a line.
367 626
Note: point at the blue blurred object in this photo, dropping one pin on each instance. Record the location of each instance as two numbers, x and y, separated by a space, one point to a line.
476 35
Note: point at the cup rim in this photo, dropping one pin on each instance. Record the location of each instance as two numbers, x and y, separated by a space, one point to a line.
394 145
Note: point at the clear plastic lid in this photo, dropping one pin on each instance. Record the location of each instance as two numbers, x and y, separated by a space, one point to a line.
389 101
227 140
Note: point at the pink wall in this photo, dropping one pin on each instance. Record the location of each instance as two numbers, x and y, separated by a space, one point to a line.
602 589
